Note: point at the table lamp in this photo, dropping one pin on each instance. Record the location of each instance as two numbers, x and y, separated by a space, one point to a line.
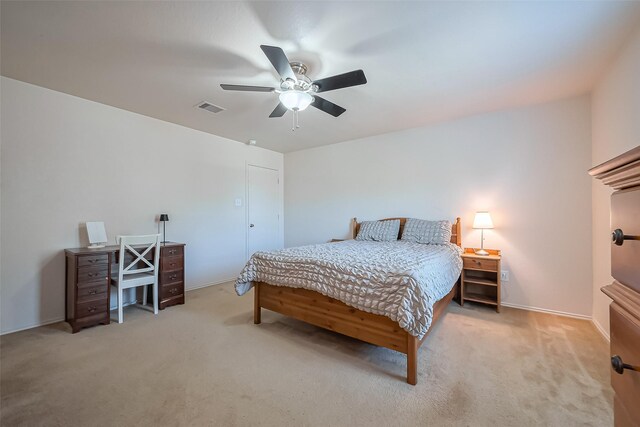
482 221
163 219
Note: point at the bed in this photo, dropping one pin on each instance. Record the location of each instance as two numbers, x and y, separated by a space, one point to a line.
371 291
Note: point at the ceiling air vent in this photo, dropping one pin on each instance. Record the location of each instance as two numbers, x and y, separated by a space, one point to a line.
210 107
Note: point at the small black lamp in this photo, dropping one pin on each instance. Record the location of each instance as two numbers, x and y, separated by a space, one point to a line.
163 219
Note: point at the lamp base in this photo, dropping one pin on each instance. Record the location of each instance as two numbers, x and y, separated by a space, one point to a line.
481 252
96 246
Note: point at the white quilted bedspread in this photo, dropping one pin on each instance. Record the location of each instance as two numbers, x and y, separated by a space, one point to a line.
399 280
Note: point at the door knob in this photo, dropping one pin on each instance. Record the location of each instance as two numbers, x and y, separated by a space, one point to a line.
251 225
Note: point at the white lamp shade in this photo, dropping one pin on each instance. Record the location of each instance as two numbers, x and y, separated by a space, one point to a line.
295 100
482 220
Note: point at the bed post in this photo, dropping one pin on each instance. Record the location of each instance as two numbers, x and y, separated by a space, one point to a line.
256 303
412 359
354 226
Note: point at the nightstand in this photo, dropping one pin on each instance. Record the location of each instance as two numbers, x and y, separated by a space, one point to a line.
480 279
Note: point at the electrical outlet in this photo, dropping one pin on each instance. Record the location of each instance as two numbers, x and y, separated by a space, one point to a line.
504 276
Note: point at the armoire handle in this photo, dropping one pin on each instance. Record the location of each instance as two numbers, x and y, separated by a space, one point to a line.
618 237
619 366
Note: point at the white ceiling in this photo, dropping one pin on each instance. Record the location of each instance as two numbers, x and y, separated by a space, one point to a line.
424 61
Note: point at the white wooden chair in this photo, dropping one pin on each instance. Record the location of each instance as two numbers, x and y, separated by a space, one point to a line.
140 272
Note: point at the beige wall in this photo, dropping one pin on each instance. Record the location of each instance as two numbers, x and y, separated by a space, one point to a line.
616 129
527 166
66 160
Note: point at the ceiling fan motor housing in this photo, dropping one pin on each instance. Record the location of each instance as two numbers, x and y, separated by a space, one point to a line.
303 83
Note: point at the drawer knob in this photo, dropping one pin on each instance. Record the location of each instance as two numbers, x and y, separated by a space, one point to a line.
93 292
173 276
619 366
173 291
91 309
618 237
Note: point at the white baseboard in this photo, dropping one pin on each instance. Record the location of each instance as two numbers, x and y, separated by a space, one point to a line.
36 325
62 319
545 310
600 329
206 285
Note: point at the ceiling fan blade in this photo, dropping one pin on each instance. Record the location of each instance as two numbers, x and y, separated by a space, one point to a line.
327 106
247 88
352 78
279 61
279 111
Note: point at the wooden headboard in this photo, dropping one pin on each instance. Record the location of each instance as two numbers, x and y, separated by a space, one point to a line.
456 236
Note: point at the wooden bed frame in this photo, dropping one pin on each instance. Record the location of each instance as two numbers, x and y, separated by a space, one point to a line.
319 310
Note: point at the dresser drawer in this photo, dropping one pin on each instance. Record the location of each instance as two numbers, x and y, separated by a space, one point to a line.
91 308
172 263
625 258
171 277
168 302
172 290
89 293
480 264
625 342
92 273
167 251
89 260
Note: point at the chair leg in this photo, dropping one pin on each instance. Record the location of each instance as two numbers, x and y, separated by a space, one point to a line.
144 295
155 298
120 305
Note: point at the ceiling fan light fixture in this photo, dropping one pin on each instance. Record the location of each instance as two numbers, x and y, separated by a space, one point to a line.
296 100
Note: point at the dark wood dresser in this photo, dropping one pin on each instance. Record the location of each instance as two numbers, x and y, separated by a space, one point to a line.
622 173
88 288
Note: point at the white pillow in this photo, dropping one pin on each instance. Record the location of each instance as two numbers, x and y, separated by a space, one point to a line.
423 231
379 231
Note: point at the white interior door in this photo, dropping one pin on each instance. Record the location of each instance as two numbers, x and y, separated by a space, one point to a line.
263 204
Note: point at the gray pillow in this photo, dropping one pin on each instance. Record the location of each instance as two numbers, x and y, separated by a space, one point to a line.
422 231
379 231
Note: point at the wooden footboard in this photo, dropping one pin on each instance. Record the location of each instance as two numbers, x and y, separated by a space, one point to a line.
325 312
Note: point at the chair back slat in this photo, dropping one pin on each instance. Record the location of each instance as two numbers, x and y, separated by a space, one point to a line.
139 247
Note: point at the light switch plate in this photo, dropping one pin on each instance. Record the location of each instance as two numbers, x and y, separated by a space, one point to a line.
504 276
238 202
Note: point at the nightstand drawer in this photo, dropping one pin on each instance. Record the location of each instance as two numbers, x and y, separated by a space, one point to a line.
481 264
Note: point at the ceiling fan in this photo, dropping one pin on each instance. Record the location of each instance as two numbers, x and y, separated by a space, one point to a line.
296 90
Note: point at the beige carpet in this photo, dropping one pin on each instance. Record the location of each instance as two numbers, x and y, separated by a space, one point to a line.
205 363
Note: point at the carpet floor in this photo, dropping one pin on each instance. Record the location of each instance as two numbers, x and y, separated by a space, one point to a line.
206 363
